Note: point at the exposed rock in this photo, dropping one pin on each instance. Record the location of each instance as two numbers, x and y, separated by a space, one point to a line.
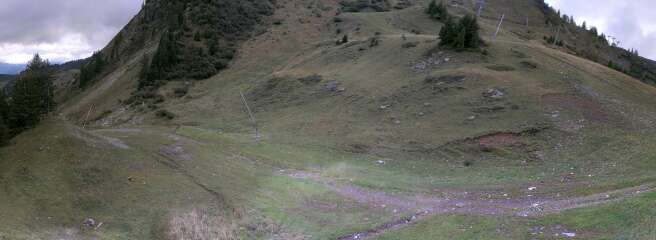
494 93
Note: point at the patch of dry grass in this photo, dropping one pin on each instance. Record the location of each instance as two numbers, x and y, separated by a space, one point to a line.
202 225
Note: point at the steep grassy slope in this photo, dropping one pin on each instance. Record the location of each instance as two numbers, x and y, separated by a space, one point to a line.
389 140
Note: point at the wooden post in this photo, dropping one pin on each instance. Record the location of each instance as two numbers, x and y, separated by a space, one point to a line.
86 119
252 117
499 26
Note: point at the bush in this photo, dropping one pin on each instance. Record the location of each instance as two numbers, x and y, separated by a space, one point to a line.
364 5
409 45
501 68
181 91
165 114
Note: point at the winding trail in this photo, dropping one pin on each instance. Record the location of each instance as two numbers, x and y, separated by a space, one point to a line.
481 203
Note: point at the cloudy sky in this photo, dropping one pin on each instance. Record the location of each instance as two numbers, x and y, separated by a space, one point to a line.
632 22
60 30
63 30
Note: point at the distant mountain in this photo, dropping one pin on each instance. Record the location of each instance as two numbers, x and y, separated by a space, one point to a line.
7 68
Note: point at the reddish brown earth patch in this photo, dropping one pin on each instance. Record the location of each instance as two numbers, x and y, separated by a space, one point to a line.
501 139
591 109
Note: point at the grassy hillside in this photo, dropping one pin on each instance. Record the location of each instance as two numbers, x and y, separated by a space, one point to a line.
392 140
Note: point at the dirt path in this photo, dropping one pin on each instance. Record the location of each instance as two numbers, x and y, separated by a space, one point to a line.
480 203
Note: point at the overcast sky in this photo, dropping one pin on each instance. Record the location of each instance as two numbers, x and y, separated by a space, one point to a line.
60 30
632 22
63 30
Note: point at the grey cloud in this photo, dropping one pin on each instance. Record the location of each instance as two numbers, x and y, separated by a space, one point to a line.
45 21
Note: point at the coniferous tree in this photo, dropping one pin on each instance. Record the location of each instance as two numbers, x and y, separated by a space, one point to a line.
4 112
32 96
437 11
165 57
91 70
447 33
462 35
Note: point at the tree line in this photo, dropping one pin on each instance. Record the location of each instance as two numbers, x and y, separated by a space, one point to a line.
29 100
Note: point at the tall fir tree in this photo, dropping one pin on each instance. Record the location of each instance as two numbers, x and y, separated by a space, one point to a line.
4 112
32 96
437 11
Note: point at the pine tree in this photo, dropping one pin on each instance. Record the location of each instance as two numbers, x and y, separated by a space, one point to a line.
437 11
32 96
432 9
460 42
461 36
165 58
447 33
4 132
90 70
470 25
4 111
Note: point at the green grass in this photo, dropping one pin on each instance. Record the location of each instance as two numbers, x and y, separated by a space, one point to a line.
55 176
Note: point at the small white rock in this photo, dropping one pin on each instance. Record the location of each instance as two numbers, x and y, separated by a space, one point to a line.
569 235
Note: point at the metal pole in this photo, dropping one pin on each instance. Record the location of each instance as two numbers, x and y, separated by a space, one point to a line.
499 26
250 114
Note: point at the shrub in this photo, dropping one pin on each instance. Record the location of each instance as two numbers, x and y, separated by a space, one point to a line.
165 114
501 68
181 91
409 45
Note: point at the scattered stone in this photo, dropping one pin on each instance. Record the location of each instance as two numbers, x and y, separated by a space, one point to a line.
383 107
447 59
421 114
89 222
494 93
532 188
331 86
397 122
427 104
569 235
471 118
381 162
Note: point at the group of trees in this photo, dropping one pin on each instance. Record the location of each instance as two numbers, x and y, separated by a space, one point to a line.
461 34
200 36
96 63
30 99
